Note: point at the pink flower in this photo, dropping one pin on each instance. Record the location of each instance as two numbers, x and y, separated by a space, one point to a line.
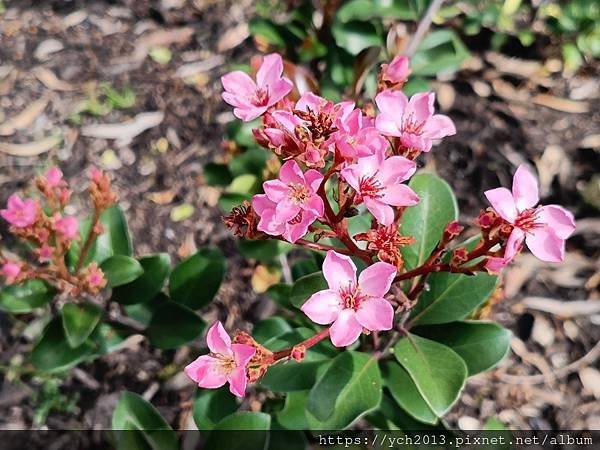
295 191
54 177
378 183
357 136
94 276
45 253
20 213
291 230
413 121
397 71
351 305
249 99
67 226
11 271
543 228
226 363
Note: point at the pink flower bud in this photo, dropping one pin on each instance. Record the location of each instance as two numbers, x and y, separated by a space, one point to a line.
397 71
45 253
54 177
67 226
10 270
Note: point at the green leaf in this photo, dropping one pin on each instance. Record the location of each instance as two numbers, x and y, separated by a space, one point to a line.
438 372
389 416
52 353
79 321
245 184
241 421
350 387
307 286
230 200
115 239
452 296
217 174
173 325
355 36
252 161
481 345
442 51
211 406
24 298
293 416
121 269
270 328
195 281
280 294
405 392
109 337
266 31
426 220
264 251
292 376
182 212
148 285
134 413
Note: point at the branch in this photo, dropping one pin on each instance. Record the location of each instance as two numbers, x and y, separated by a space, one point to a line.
423 27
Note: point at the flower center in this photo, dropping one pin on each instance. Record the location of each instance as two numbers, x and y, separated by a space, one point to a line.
527 220
370 187
412 126
260 98
226 364
351 297
298 193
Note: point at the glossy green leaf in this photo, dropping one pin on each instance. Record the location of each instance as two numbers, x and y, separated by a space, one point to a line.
480 344
244 184
452 296
405 392
173 325
426 220
355 36
264 251
292 376
307 286
115 240
217 174
350 387
441 51
438 372
211 406
293 416
195 281
25 297
270 328
121 269
148 285
79 321
134 413
252 161
224 435
280 294
52 353
109 337
230 200
266 31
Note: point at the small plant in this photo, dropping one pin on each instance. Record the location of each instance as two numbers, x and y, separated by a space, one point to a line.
387 324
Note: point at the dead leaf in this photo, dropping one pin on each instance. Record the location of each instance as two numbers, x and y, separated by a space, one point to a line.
46 48
51 81
30 148
515 66
8 81
161 38
25 118
188 247
445 96
591 141
233 37
561 104
560 308
124 131
553 162
590 378
191 69
162 197
362 64
264 277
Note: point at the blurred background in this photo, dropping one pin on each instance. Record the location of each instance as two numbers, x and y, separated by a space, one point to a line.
132 86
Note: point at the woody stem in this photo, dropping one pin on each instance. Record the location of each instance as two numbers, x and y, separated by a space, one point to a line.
88 240
306 344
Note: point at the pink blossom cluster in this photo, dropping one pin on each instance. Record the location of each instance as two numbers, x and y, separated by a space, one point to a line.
43 223
364 156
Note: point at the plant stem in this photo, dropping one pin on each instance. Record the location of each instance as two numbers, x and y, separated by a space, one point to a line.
88 241
423 27
308 343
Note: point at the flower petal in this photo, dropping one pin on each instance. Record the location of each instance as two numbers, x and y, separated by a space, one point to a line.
218 340
392 103
400 195
276 190
346 329
396 170
291 172
279 89
238 381
242 354
503 202
339 270
387 125
525 189
421 106
239 83
546 245
559 219
270 70
375 314
381 211
313 179
206 371
322 307
514 244
376 279
439 126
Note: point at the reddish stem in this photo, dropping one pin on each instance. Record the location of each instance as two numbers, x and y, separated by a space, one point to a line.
308 343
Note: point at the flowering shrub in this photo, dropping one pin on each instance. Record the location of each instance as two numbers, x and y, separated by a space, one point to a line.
387 325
